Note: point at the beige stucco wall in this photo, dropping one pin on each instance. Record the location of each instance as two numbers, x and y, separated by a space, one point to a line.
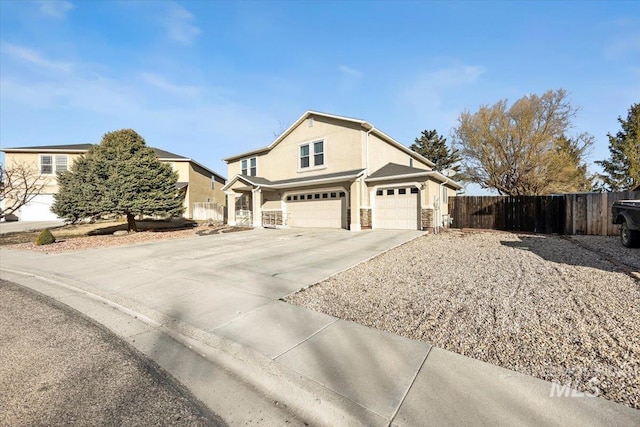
33 160
271 200
381 153
342 151
345 149
199 190
434 189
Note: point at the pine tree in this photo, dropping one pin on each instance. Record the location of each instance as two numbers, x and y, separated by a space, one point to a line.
622 169
434 147
567 165
121 176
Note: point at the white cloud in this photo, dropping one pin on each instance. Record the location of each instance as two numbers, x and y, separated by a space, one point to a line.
55 8
352 72
96 99
179 23
164 84
33 57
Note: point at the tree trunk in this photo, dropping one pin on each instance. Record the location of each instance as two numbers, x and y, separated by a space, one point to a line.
131 223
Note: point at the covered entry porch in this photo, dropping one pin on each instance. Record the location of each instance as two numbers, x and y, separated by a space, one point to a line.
324 201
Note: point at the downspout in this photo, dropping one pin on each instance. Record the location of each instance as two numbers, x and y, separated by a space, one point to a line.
440 205
366 150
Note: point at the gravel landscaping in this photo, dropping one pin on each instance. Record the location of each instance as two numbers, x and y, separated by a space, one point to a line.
540 305
101 241
612 247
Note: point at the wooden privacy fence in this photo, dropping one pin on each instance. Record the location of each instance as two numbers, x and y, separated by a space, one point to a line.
581 213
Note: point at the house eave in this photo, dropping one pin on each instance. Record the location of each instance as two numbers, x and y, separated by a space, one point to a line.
31 150
310 183
246 154
184 159
440 177
293 184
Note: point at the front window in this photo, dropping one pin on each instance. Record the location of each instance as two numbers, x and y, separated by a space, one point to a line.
249 167
309 159
61 163
50 164
46 165
304 156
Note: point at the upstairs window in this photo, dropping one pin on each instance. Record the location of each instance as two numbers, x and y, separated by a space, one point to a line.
304 156
46 165
50 164
249 166
312 155
61 163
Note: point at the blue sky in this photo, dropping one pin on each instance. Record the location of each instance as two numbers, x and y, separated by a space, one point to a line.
211 79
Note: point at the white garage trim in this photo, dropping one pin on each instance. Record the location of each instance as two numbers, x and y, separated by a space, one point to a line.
397 208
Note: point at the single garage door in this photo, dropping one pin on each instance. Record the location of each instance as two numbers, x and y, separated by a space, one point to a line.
317 209
38 209
396 208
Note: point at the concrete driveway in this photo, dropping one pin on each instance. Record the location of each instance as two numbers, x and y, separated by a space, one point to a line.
217 298
209 281
16 226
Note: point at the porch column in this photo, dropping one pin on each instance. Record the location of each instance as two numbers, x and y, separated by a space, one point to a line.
355 197
257 207
231 207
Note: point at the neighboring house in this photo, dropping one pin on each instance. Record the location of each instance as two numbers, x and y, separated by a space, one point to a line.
200 184
337 172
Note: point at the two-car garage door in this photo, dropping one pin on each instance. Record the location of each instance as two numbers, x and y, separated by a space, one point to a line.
396 208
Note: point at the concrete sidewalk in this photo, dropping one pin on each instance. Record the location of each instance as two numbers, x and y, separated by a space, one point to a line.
219 295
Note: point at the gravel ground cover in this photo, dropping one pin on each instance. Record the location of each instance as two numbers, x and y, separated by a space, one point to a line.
539 305
101 241
612 247
58 368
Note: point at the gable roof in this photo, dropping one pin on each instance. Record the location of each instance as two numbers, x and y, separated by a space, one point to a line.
258 181
364 124
83 148
395 171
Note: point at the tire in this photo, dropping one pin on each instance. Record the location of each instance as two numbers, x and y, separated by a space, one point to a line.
628 237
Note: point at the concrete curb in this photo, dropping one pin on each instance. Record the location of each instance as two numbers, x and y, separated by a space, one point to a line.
304 397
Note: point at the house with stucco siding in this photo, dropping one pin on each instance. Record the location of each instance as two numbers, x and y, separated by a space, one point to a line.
336 172
200 184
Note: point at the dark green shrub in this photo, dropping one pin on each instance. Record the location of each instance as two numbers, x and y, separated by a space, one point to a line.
45 238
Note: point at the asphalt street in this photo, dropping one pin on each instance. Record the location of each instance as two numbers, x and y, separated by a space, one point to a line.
60 368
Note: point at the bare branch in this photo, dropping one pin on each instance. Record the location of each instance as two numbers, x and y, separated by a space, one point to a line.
20 183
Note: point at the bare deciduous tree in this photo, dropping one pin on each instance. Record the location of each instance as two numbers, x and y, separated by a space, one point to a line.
19 184
523 149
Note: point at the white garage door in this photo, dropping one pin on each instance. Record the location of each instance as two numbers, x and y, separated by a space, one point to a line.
396 208
325 209
38 209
